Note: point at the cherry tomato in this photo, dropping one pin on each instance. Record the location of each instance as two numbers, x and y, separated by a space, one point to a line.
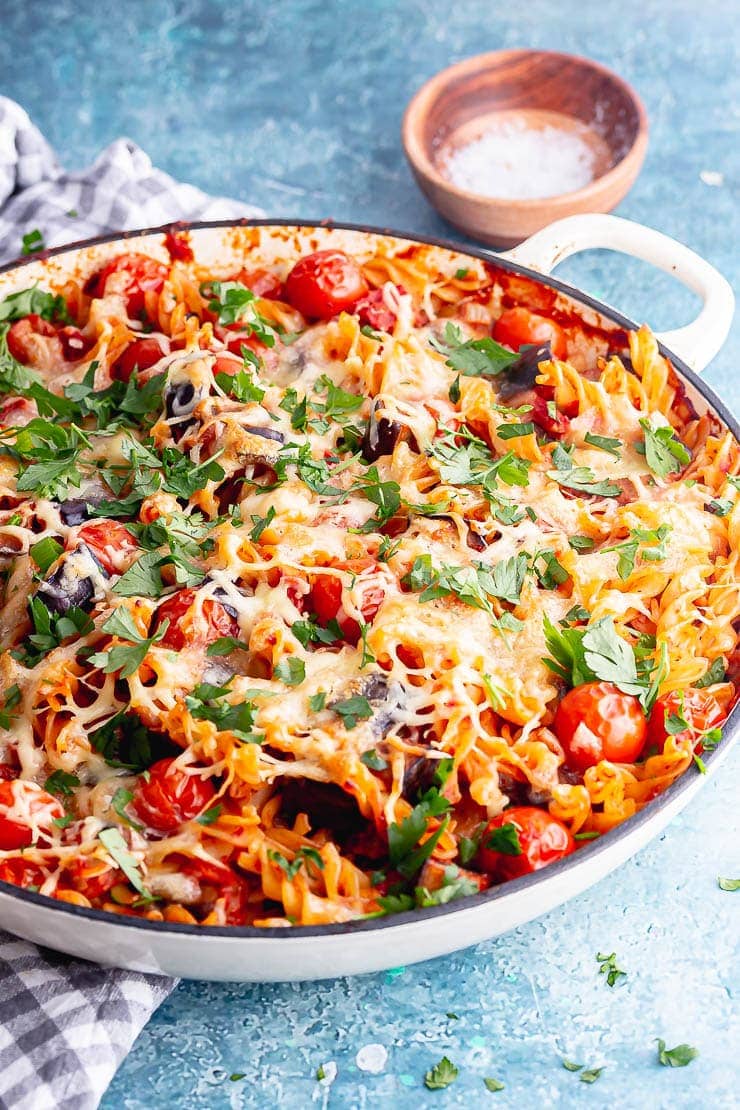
262 283
228 363
216 621
374 312
139 355
20 872
517 327
170 796
35 342
16 412
542 839
556 425
597 721
325 600
92 877
24 798
325 283
132 275
236 339
108 540
699 709
75 344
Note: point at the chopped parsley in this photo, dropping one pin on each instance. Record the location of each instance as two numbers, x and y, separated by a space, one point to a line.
50 630
505 839
493 1085
664 452
608 967
290 670
374 761
404 851
352 709
61 782
475 358
45 553
116 848
234 302
678 1057
33 241
125 659
206 703
579 478
604 443
715 673
302 858
441 1075
728 884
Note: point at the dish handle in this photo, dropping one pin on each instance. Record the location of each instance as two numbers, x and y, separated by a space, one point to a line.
696 343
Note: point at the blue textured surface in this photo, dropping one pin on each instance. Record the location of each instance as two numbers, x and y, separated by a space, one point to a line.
297 108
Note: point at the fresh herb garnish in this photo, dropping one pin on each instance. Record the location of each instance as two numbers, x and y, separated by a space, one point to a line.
291 670
33 241
608 967
474 358
125 659
579 478
678 1057
505 839
61 782
605 443
116 848
352 709
664 452
441 1075
302 858
728 884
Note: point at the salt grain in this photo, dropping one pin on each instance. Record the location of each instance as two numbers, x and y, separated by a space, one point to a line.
515 161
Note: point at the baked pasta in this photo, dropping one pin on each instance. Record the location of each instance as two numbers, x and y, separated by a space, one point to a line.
341 585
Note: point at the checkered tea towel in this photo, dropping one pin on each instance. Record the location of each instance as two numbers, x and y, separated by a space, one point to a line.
66 1025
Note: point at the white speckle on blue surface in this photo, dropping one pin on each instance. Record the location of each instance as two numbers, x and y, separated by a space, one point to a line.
372 1058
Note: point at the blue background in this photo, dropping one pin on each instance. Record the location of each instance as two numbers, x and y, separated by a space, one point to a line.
296 107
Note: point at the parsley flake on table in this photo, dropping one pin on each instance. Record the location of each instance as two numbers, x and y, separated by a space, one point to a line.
441 1075
678 1057
728 884
33 241
608 967
493 1085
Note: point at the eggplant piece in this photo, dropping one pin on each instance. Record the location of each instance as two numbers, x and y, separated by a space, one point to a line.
521 375
326 805
266 433
381 435
74 511
385 698
75 584
475 541
180 398
418 777
522 793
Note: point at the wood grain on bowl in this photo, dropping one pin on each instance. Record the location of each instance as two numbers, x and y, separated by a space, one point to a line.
539 87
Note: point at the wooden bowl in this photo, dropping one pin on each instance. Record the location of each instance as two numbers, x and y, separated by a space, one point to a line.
459 103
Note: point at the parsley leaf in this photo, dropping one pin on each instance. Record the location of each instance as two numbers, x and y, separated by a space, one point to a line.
33 241
353 709
493 1085
115 846
374 761
605 443
715 673
290 670
45 553
403 838
61 782
473 357
599 653
664 452
442 1074
579 478
678 1057
33 301
608 967
728 884
505 839
235 302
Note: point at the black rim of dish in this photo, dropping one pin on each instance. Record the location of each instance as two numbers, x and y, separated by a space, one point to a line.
591 849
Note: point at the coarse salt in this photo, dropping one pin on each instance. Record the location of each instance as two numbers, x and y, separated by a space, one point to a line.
516 161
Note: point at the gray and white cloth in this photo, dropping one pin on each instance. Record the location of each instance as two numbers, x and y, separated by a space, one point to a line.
66 1025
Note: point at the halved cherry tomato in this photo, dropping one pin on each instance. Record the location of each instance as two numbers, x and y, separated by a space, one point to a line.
325 600
374 312
517 327
323 284
237 336
21 872
108 540
262 283
597 721
139 355
132 275
35 342
91 877
24 798
699 709
536 840
556 425
75 344
169 796
228 363
216 621
16 412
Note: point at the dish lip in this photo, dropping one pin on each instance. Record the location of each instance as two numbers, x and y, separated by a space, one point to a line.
422 163
590 850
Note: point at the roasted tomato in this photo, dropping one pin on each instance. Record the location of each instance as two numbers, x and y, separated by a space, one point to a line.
168 796
373 311
518 326
75 344
262 283
16 412
109 541
139 355
597 721
228 363
24 806
325 283
91 877
35 342
185 629
521 840
21 872
325 600
132 275
698 708
557 425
